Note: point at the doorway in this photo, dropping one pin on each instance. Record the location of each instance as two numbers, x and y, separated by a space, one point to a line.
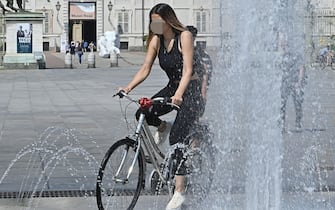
82 21
83 30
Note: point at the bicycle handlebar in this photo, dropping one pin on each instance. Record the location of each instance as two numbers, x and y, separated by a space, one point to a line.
122 94
146 103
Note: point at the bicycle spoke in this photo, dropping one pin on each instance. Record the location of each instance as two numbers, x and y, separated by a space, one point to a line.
118 191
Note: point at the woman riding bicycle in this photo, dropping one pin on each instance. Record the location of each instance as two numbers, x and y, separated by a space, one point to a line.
173 44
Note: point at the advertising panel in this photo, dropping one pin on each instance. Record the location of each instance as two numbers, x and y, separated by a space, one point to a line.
24 37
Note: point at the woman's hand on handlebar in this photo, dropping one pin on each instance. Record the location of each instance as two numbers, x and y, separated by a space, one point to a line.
122 93
176 100
124 89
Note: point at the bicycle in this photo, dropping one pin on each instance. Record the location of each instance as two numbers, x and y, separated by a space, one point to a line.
323 61
122 170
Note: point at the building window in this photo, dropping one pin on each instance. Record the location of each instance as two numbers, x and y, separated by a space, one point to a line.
123 21
46 23
201 21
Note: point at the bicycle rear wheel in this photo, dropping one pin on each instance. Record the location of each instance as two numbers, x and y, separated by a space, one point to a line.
200 163
332 63
114 190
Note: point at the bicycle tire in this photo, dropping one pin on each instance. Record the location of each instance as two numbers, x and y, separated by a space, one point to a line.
322 63
116 195
332 65
201 165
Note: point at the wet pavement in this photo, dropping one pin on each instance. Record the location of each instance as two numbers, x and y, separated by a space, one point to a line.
56 124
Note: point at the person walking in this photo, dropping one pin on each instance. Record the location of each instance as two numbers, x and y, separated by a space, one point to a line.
85 46
293 83
72 48
91 46
80 52
172 43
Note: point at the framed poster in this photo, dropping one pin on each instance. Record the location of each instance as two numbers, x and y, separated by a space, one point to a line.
24 37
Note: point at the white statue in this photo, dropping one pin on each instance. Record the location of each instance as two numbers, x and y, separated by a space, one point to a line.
106 44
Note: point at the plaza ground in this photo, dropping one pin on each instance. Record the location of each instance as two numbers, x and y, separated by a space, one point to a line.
74 109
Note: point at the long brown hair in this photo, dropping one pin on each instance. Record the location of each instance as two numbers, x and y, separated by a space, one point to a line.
169 16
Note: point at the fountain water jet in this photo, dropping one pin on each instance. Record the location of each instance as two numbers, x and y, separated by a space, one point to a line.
249 134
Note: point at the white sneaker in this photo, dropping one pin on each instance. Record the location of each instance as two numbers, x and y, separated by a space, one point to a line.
160 137
176 201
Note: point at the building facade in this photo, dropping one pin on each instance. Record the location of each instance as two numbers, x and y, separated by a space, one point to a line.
77 20
67 20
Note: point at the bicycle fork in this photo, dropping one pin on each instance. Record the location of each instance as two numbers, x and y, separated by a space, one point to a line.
130 170
125 154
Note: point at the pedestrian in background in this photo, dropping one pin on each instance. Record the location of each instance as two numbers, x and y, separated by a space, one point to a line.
72 49
293 83
80 52
91 46
202 65
85 46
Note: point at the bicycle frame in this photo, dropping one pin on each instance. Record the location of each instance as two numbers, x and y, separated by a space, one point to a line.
150 146
140 148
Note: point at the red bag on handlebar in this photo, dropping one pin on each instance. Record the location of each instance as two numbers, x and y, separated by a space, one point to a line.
145 103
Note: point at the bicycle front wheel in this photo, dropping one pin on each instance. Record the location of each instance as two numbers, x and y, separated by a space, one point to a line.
332 64
322 63
116 188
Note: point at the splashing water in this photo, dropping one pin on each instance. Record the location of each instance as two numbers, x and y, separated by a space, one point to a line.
57 151
246 121
251 98
250 169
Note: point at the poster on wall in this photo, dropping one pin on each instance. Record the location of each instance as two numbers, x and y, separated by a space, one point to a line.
82 11
24 37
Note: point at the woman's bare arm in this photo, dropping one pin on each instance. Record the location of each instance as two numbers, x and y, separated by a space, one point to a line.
145 69
187 49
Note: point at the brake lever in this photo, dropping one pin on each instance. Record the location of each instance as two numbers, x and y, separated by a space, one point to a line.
121 93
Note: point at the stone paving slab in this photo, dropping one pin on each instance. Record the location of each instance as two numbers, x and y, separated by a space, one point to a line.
54 112
292 201
126 59
68 99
